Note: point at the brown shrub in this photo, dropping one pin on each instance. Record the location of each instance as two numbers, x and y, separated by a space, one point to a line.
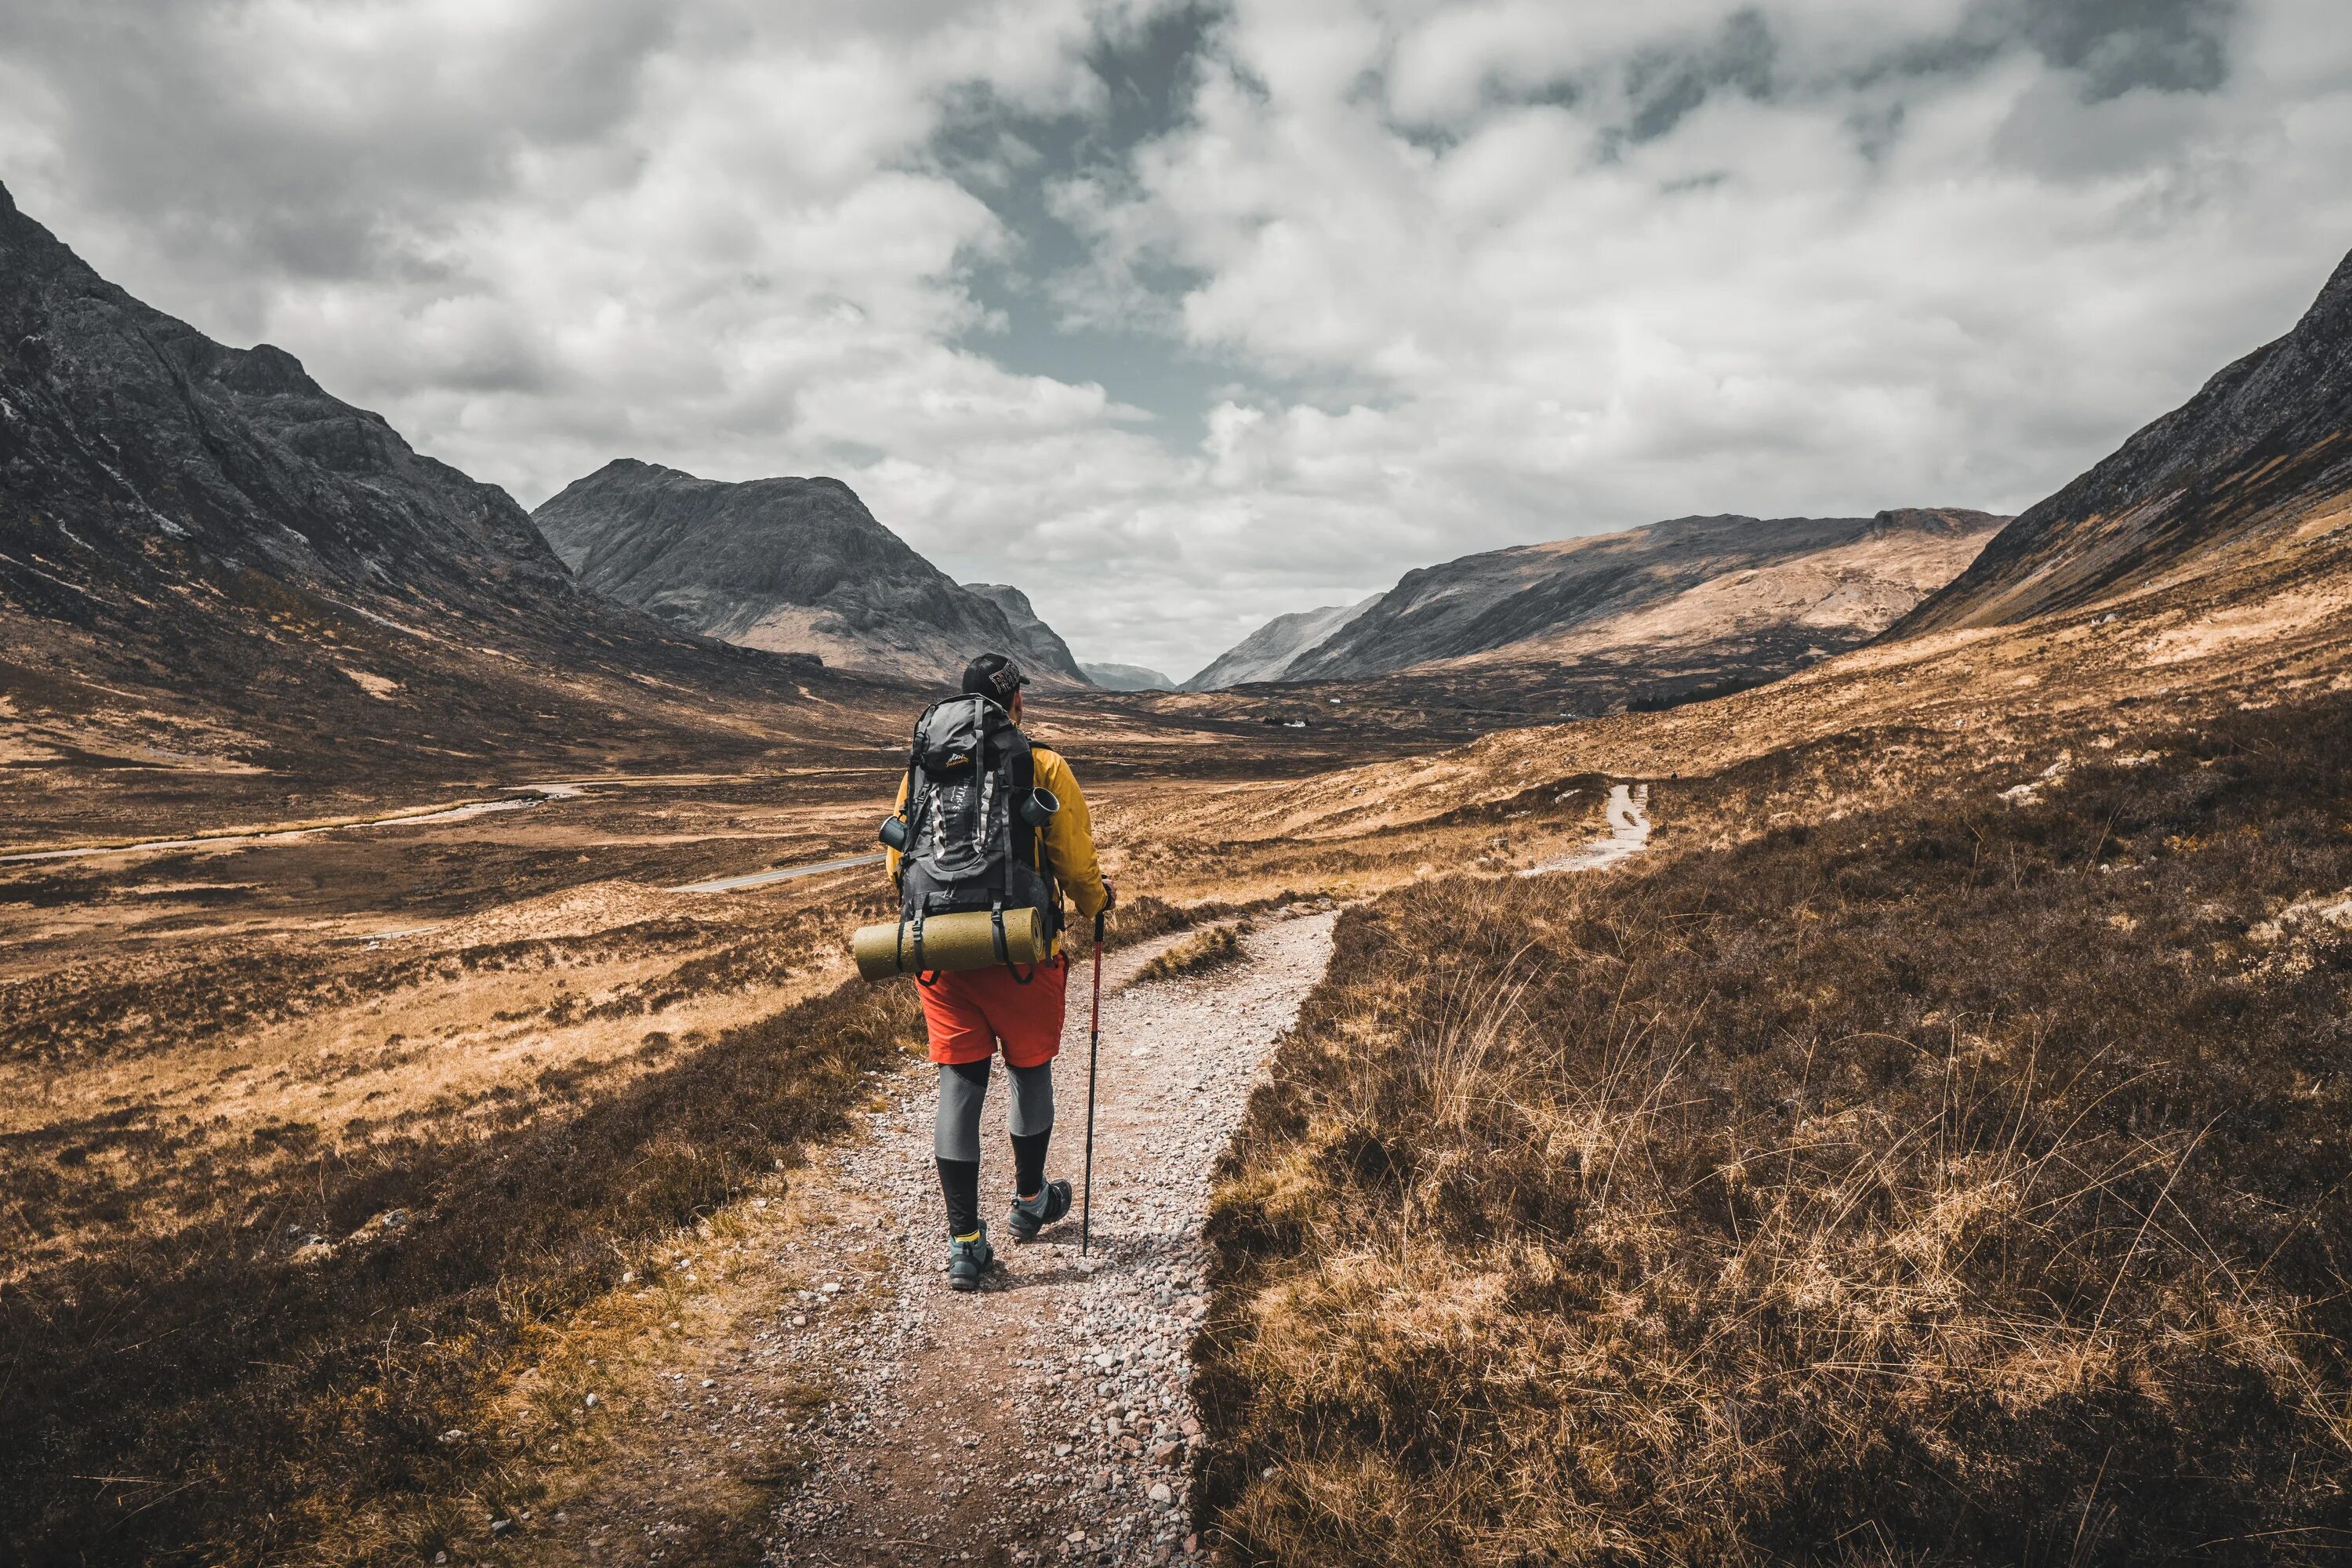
1953 1183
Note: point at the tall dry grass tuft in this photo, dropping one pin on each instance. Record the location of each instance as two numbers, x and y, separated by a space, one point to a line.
1218 947
1954 1183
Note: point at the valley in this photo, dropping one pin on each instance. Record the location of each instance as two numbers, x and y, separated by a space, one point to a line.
1814 1040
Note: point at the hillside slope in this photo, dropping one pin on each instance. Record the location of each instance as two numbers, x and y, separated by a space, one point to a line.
1043 645
1683 583
1270 652
2262 443
1128 678
207 560
787 565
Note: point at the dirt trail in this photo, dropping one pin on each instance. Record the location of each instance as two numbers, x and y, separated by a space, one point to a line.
1046 1417
1629 834
801 1385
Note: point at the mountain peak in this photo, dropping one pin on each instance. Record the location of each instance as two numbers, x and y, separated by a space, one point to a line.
2260 444
197 521
787 564
1685 602
1038 637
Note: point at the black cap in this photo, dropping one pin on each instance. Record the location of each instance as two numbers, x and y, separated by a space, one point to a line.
994 676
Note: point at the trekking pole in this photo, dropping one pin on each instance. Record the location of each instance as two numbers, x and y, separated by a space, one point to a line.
1093 1045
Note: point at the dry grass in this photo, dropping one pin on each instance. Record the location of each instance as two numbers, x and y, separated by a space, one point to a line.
236 1389
281 1210
1199 953
1952 1183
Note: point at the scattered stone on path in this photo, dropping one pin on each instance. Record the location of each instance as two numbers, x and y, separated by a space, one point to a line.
1061 1389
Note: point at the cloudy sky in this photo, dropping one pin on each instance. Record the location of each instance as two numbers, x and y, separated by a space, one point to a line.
1180 316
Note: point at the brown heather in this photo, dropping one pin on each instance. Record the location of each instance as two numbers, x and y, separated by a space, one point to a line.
182 1381
1953 1183
286 1400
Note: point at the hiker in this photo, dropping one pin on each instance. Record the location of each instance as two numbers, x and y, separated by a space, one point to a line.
970 1014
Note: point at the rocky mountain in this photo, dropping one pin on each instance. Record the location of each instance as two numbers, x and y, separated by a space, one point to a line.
1043 645
205 554
2265 444
1269 652
1128 678
787 565
1696 601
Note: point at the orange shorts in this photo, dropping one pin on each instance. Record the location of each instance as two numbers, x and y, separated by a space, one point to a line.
969 1011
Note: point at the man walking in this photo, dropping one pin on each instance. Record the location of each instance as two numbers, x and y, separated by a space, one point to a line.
970 1014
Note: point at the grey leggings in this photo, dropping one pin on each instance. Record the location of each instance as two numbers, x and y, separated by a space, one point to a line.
964 1085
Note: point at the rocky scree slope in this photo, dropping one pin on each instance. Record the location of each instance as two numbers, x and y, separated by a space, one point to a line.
786 564
2266 442
201 540
1270 652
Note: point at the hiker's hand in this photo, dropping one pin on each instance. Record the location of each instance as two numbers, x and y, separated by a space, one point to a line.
1110 896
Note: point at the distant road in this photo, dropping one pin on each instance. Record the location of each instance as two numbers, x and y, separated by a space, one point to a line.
780 874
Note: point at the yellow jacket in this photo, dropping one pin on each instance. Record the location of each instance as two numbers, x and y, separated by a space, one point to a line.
1066 846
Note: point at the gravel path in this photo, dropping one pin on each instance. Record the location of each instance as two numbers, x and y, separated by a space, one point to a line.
1046 1418
1629 834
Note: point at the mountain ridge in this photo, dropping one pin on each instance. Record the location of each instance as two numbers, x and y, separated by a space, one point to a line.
1269 652
208 554
1032 629
2265 440
782 563
1690 603
1128 678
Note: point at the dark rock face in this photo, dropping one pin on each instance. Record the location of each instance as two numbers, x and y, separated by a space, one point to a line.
207 526
2265 442
155 445
1043 643
789 564
1539 594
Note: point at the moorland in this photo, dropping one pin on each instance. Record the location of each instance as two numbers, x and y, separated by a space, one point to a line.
1931 1148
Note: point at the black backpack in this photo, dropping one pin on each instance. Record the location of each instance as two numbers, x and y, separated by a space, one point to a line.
973 816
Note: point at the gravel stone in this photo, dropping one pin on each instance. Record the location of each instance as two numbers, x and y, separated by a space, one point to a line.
1049 1414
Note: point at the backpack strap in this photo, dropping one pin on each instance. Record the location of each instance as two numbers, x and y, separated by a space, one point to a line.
1005 953
1018 768
918 794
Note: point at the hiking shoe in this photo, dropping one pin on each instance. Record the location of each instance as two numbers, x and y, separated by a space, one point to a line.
1031 1216
968 1261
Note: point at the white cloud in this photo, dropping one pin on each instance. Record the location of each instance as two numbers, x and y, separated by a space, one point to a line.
1548 328
1481 272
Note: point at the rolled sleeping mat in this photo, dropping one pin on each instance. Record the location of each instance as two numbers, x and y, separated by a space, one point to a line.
950 941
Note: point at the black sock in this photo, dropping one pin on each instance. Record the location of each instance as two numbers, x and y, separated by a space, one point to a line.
1029 1163
959 1184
